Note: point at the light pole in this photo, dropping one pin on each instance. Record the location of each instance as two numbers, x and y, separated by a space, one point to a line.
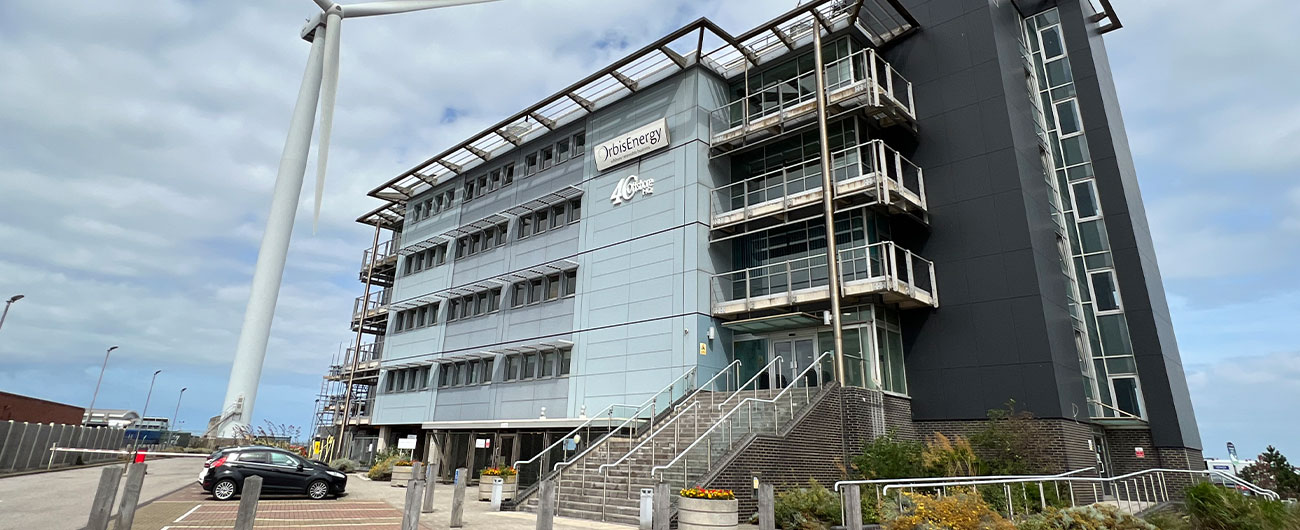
95 396
8 303
145 412
172 425
318 89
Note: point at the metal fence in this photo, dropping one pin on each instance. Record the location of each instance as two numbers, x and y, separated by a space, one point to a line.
26 446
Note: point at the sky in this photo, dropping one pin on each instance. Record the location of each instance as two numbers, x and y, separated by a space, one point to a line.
138 148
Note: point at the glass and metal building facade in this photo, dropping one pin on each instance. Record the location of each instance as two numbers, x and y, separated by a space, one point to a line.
666 217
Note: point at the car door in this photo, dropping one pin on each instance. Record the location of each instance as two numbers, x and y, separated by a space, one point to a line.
258 463
293 472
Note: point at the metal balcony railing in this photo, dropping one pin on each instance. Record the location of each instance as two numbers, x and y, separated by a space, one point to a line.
861 78
385 253
373 306
871 169
883 268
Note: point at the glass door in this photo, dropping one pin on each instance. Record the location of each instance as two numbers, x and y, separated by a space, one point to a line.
785 369
505 451
752 355
796 355
805 352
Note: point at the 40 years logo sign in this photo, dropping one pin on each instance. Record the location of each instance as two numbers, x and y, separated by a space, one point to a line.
629 186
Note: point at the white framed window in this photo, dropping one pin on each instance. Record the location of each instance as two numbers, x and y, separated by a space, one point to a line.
1068 120
1086 204
1127 393
1105 291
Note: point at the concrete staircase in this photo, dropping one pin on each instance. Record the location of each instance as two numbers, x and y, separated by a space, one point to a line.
599 487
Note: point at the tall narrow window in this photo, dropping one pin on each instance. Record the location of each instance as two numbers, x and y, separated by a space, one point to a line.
453 310
548 364
494 300
541 222
494 180
512 367
530 366
570 282
1104 291
507 175
535 291
579 144
525 226
548 157
575 210
562 151
566 359
520 296
530 164
557 216
487 370
1067 117
1085 199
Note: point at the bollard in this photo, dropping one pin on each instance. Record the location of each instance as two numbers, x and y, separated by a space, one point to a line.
647 508
662 507
458 497
131 495
498 489
766 507
430 478
546 505
411 510
853 507
104 495
248 497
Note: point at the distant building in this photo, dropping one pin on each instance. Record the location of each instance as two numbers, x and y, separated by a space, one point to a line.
119 419
153 423
33 410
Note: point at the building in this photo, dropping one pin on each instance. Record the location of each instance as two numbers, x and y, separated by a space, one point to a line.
14 407
115 418
647 227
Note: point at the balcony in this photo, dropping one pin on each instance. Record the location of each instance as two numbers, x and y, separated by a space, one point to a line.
381 267
366 361
871 170
360 410
894 273
862 79
371 313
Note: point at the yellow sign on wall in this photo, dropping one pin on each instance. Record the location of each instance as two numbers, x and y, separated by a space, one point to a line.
704 349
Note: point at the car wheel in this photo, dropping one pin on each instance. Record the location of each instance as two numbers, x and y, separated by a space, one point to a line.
224 489
318 490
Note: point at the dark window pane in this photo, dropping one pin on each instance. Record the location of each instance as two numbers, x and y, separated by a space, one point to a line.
1105 291
1085 199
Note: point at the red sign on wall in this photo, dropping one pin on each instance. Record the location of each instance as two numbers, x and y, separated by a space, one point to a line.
1139 452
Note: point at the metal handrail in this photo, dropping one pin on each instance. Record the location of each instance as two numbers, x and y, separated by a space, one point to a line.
942 479
607 410
653 400
766 369
1100 480
1121 412
715 377
816 364
891 272
648 438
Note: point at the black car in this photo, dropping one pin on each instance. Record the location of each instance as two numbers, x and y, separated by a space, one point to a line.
281 471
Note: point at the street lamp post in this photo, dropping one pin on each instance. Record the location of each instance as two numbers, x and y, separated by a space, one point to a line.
95 396
8 303
145 412
172 425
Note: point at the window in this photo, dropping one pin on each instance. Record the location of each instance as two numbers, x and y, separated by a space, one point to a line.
473 373
535 291
579 144
575 210
461 247
570 282
548 364
1127 396
487 370
507 175
453 310
1052 46
494 300
482 186
444 375
548 157
1067 118
530 164
525 226
501 234
520 296
553 287
1104 290
255 457
557 216
512 367
440 253
529 366
562 151
540 225
566 358
475 243
1085 199
469 190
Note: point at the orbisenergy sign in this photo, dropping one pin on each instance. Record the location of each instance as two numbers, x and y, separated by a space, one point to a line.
624 147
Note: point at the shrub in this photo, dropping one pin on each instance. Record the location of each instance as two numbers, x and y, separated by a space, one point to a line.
1169 520
1007 440
888 457
345 465
950 457
383 469
955 511
504 471
1214 507
1095 517
810 508
1272 471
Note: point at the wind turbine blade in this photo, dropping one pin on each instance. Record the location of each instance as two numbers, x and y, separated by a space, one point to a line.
328 90
390 7
325 5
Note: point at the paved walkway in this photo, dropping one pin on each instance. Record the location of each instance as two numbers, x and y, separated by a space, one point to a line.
61 500
367 506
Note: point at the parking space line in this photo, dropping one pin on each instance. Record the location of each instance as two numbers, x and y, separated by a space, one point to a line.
192 510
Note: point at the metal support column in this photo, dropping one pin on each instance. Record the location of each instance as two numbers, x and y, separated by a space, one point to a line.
828 205
356 348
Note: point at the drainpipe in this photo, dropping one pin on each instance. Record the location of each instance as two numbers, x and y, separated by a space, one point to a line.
828 205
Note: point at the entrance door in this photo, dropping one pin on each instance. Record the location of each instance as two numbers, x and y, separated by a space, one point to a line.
752 355
796 355
505 451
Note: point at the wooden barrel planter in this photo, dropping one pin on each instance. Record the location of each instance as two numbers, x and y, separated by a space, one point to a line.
707 514
507 489
401 474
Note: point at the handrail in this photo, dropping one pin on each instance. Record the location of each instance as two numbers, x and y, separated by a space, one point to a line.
766 369
607 410
648 439
941 479
815 364
715 377
1101 480
598 442
1122 412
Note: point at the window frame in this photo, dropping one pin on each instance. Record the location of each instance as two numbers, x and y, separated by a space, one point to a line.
1074 198
1096 301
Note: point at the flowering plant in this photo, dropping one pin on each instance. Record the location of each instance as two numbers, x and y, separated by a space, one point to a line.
713 495
402 463
505 471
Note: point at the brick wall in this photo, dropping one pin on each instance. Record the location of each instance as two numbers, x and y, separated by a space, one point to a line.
1063 446
22 408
